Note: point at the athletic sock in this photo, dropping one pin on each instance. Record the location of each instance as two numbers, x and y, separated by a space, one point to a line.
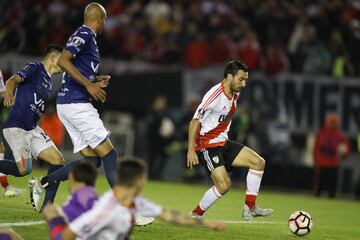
209 198
4 180
51 190
62 173
253 181
9 167
110 166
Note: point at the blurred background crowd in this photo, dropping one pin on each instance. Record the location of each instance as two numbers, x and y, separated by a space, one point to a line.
273 36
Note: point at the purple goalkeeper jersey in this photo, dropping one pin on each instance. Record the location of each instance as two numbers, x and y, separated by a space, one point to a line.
80 201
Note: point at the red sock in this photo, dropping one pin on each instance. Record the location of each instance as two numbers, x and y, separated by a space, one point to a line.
250 200
198 210
4 181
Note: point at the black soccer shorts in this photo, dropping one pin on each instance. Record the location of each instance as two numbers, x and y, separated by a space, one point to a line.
212 158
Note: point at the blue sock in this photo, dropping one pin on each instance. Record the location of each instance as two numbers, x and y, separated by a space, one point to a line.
62 173
110 166
51 190
9 167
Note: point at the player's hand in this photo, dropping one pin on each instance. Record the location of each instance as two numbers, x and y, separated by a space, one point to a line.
49 212
96 92
217 226
192 159
103 80
9 100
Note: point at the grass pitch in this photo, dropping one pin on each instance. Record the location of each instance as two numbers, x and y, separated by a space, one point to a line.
333 219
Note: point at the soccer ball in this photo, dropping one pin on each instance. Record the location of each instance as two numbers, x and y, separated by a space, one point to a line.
300 223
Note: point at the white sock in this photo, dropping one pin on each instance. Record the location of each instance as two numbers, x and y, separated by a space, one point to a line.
1 158
210 197
253 181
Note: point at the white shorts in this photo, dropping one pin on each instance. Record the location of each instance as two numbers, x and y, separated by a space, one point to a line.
25 144
83 123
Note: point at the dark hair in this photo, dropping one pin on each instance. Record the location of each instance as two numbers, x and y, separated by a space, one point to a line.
233 67
130 170
52 48
84 172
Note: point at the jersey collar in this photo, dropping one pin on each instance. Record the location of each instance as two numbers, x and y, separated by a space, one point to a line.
90 29
46 70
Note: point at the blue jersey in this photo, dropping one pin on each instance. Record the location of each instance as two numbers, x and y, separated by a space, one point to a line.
82 44
31 96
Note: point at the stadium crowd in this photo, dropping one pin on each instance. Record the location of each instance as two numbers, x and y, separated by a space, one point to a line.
314 37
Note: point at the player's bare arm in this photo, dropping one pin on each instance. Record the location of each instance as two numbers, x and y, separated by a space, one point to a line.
192 158
94 90
175 217
9 99
50 212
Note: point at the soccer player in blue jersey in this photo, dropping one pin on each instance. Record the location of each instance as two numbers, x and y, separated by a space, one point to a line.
33 86
81 84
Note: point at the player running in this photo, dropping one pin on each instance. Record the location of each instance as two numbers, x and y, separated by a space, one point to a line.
113 216
208 143
80 83
9 191
33 86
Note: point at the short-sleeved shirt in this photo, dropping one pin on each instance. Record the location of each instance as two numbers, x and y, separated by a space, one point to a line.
31 97
82 44
80 201
109 220
215 113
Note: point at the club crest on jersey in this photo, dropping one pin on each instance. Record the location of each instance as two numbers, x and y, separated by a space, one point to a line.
215 159
201 112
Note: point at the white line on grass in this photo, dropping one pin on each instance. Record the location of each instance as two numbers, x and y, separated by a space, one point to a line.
30 223
19 224
254 222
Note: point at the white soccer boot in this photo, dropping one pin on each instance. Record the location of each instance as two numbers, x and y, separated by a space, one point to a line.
143 221
248 213
195 215
11 191
36 193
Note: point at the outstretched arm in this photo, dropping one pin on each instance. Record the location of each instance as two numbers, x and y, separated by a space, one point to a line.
175 217
58 227
94 90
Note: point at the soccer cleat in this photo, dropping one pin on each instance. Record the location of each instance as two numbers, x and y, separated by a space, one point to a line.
143 221
11 191
36 193
195 215
248 213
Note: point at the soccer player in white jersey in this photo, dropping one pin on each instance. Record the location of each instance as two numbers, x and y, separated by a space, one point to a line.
113 216
208 144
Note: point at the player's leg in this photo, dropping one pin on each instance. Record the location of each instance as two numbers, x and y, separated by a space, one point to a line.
19 142
213 161
9 191
256 164
109 156
44 149
86 129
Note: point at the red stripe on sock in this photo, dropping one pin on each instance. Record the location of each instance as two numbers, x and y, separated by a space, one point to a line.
250 200
198 210
4 181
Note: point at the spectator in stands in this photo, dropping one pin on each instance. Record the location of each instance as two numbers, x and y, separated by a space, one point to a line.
160 130
331 147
